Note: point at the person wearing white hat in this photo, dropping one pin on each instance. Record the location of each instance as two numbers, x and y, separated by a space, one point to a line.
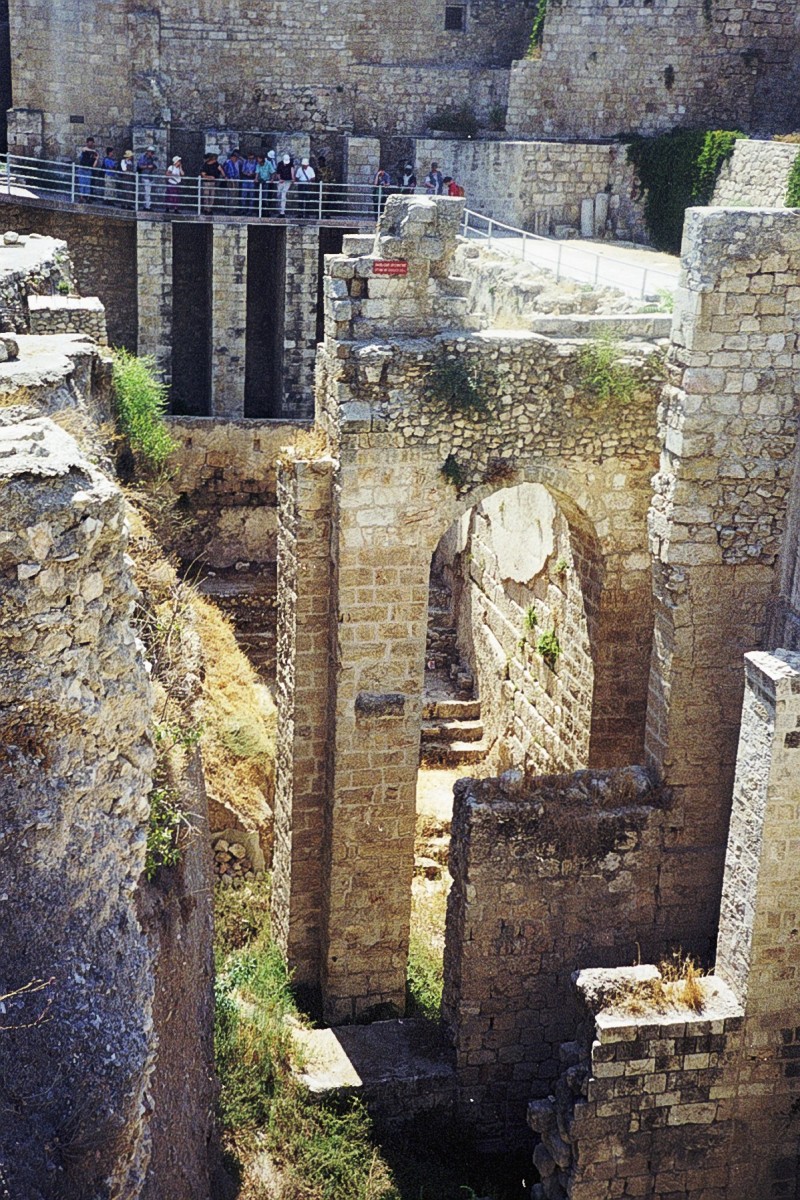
265 172
304 177
174 177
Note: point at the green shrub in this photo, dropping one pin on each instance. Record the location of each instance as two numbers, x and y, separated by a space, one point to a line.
453 384
602 374
166 822
62 287
531 618
793 187
549 647
140 400
676 170
424 978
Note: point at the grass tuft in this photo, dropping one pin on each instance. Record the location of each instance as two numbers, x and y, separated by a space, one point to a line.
140 400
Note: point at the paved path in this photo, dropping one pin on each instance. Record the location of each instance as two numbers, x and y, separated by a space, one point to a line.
634 270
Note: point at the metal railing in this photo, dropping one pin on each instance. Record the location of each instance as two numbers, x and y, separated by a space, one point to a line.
569 261
137 192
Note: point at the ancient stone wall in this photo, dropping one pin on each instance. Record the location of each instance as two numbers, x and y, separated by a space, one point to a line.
549 874
103 259
717 520
302 692
78 758
224 473
68 314
29 266
643 1107
378 68
537 185
756 175
606 68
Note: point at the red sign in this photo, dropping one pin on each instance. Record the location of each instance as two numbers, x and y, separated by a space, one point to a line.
388 266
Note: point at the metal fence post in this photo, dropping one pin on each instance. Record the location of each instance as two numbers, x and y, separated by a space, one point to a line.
596 268
524 245
136 192
199 195
8 175
558 262
644 283
489 235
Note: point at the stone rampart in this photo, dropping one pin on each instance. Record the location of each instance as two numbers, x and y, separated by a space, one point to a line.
606 68
76 745
756 174
29 266
549 874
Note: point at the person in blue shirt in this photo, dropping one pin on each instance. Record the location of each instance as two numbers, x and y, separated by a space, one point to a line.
265 171
147 167
232 168
110 168
248 171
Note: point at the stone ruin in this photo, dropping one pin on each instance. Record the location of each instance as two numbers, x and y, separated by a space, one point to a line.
680 507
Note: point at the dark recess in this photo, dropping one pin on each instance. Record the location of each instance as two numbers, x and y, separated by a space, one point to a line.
330 242
266 271
190 394
5 73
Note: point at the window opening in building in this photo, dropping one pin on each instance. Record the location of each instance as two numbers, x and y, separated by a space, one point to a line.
455 17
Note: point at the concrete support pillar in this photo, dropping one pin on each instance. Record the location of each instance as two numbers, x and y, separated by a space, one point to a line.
304 582
300 320
759 946
154 282
716 524
229 319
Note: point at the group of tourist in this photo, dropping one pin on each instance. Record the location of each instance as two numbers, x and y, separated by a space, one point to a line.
239 184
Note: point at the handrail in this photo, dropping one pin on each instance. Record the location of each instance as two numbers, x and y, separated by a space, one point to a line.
136 192
566 260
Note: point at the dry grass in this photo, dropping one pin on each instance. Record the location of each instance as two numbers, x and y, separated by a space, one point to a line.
238 724
238 714
680 988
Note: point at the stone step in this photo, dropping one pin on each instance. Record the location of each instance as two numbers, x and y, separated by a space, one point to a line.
452 754
450 709
452 731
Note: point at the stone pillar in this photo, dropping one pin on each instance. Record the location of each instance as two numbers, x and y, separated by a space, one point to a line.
759 946
380 626
229 319
304 583
362 158
154 283
728 429
300 320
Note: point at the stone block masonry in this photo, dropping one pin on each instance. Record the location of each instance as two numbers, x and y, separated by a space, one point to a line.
756 174
68 314
717 520
73 802
228 319
549 874
154 291
29 266
606 68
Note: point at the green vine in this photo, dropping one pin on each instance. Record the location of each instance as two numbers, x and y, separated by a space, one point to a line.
793 188
537 32
676 170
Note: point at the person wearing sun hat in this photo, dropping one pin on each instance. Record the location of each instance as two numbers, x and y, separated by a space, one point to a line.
304 177
174 177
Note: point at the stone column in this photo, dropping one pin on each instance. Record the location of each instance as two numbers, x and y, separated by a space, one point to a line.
759 944
304 582
362 158
300 320
154 281
380 624
716 521
229 318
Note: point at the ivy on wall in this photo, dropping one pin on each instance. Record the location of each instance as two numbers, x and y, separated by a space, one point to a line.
676 170
793 187
537 33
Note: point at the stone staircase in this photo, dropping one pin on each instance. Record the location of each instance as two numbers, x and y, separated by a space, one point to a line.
249 598
452 730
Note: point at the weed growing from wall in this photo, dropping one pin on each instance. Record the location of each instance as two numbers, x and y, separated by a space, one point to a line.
793 188
140 400
549 647
603 375
452 472
453 384
676 170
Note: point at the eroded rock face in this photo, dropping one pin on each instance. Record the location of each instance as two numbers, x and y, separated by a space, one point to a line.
76 773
